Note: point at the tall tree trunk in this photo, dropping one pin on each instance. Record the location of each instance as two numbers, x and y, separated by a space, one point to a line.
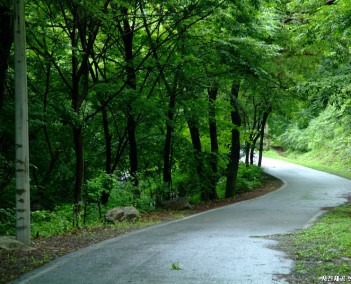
108 141
79 90
133 153
22 143
234 157
247 154
79 171
167 148
78 141
171 92
198 155
127 33
79 157
252 150
105 194
6 40
263 125
212 97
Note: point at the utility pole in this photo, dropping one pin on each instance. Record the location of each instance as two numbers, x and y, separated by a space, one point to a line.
22 143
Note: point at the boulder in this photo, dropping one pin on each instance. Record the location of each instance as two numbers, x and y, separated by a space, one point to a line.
180 203
10 243
120 214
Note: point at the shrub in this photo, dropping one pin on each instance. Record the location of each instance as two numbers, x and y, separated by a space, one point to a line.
7 222
249 177
46 223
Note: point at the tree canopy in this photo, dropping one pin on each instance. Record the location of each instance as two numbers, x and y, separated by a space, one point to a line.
135 102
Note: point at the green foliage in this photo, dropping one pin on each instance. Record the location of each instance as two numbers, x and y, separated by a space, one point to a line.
122 194
293 138
48 223
328 243
94 187
121 191
7 222
249 177
90 77
176 266
327 136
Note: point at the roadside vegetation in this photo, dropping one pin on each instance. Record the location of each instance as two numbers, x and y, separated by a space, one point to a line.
47 223
53 234
322 252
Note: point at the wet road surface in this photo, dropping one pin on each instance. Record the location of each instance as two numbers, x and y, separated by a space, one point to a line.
218 246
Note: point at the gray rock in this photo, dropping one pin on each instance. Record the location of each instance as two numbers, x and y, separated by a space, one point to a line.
10 243
120 214
180 203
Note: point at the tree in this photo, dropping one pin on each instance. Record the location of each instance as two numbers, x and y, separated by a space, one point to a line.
138 89
22 142
212 121
234 156
127 31
316 54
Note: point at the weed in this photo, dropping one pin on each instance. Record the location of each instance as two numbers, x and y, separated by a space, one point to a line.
176 266
323 249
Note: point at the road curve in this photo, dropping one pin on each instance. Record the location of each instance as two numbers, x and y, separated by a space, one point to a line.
218 246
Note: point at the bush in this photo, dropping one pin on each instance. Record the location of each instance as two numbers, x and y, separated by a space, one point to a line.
46 223
249 177
295 139
7 222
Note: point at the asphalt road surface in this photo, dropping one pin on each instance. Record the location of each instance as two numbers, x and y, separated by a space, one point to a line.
218 246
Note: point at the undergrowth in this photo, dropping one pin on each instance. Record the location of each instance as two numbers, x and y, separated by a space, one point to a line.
45 223
323 251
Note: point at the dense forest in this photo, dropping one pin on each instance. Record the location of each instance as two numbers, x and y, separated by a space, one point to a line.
136 102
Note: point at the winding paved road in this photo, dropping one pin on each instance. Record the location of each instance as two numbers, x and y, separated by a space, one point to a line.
212 247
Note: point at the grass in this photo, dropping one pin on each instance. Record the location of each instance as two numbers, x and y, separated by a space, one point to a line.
322 253
328 242
323 250
315 161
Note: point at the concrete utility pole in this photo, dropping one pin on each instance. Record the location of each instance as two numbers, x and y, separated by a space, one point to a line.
22 143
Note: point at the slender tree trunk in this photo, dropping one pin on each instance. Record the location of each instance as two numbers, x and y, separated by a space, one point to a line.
171 92
127 32
133 153
247 154
79 157
77 97
22 143
212 97
252 150
105 195
198 155
6 40
78 141
108 141
234 157
167 148
263 125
